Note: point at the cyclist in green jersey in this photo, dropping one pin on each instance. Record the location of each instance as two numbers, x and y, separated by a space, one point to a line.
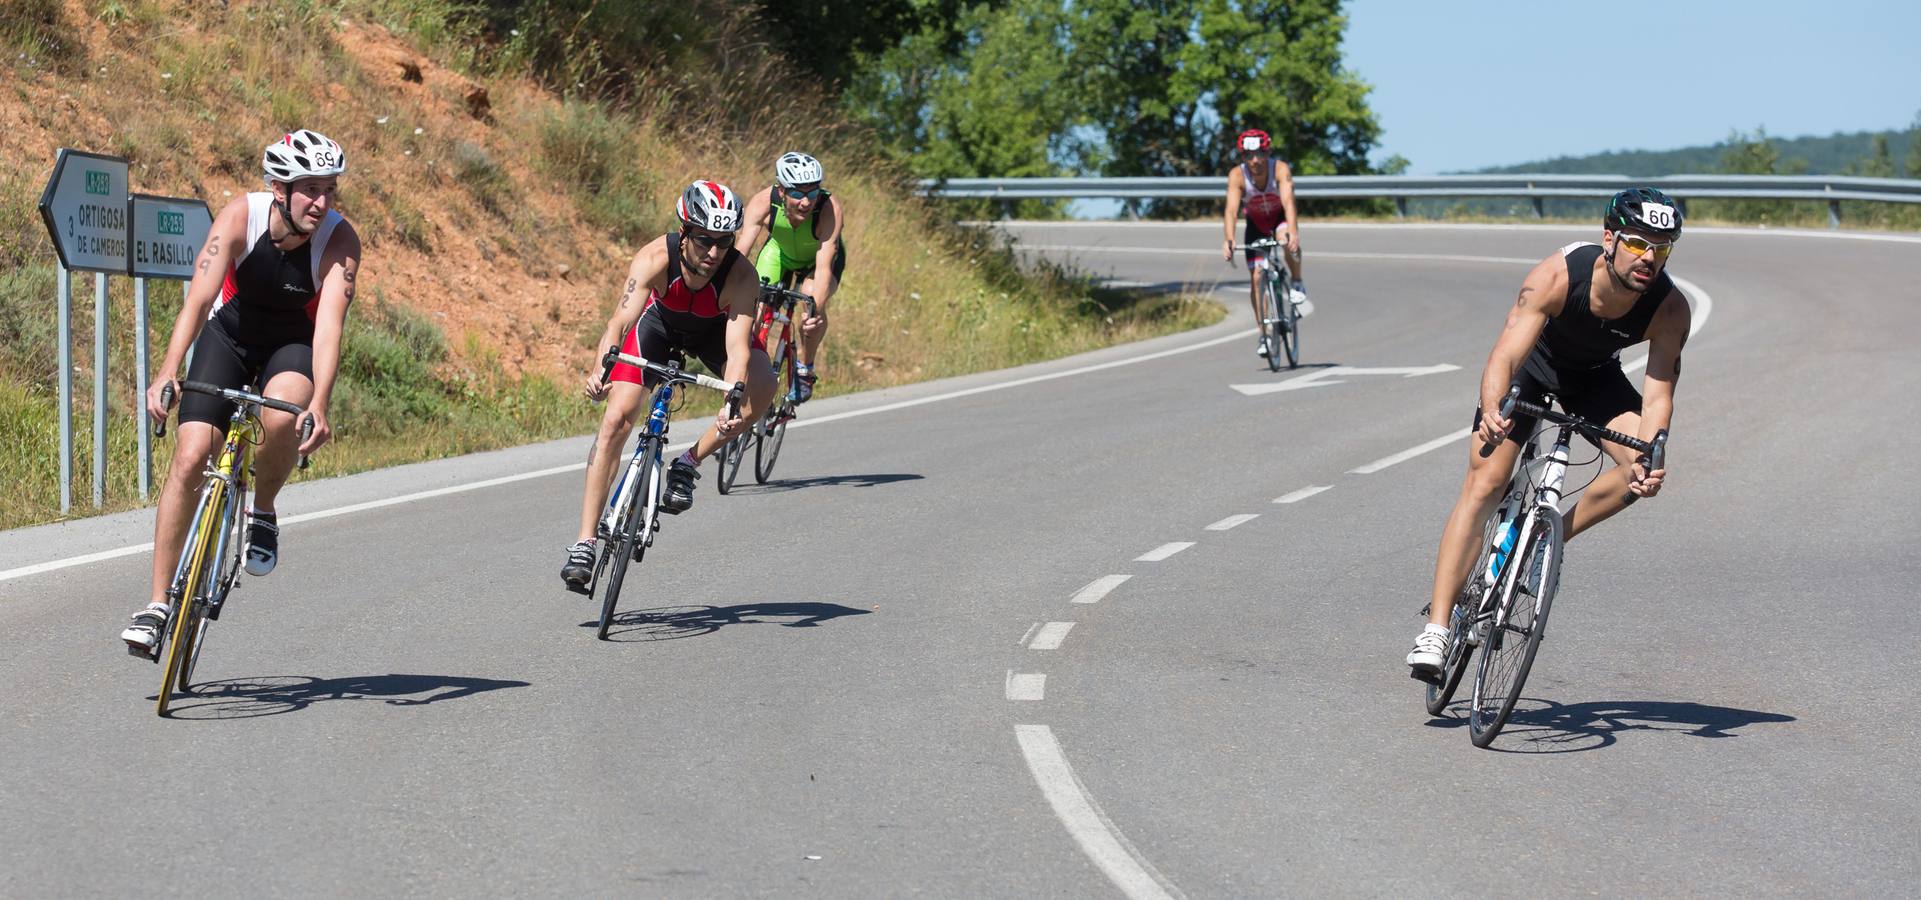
802 223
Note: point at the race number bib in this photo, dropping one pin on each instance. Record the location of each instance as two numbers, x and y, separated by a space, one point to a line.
1658 215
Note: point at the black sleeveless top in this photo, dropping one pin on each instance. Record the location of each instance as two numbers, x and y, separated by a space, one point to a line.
1579 339
270 296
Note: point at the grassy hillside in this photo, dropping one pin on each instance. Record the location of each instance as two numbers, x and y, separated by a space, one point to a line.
501 177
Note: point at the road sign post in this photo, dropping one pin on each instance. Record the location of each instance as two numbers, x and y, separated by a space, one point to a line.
166 235
84 207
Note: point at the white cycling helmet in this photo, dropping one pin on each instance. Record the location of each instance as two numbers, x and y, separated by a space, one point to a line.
710 205
303 154
795 169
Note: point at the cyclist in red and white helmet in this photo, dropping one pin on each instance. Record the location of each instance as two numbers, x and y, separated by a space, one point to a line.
266 307
686 293
1264 186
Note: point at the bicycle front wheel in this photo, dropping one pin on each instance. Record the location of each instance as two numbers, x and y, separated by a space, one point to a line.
1270 322
731 453
1508 648
189 617
623 546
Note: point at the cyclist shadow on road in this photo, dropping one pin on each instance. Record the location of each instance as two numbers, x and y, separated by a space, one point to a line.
793 484
1543 726
246 698
670 622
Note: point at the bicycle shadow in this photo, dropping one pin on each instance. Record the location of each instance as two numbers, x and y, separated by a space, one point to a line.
246 698
1543 726
672 622
780 485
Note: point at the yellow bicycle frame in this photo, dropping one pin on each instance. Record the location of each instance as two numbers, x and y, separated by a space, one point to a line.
203 549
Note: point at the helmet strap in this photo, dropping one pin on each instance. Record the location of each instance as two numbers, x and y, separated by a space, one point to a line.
1608 256
286 215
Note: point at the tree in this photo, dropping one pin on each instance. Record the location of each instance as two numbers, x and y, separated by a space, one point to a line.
1116 87
1914 149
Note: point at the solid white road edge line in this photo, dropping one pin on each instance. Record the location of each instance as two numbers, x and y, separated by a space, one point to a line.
1085 823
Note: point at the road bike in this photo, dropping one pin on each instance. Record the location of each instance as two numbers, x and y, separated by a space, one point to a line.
1503 609
1280 321
777 306
209 566
632 518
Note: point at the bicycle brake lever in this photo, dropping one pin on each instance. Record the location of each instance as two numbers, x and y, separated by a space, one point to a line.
306 431
1507 412
166 402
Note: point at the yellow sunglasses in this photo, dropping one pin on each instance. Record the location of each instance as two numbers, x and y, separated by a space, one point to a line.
1640 246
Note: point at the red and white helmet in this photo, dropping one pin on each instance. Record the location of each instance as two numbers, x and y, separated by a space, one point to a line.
710 205
303 154
1253 140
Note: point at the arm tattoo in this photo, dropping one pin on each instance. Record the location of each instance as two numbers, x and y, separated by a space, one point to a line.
1522 300
627 293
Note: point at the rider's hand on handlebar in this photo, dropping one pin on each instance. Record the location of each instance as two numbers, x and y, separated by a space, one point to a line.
595 387
322 432
1227 250
1493 429
1643 483
729 426
155 407
1293 241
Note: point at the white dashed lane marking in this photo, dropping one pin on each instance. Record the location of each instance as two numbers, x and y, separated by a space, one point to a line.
1026 685
1303 494
1232 521
1164 551
1051 635
1099 588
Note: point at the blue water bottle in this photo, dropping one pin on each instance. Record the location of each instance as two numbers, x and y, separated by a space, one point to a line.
1504 538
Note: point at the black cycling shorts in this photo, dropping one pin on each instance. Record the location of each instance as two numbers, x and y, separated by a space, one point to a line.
652 339
1597 395
219 359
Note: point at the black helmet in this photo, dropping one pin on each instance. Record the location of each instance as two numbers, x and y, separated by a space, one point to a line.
1645 210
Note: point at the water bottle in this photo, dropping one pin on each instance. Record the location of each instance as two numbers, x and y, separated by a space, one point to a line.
1504 538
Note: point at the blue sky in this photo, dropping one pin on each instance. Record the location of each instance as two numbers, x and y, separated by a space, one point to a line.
1461 85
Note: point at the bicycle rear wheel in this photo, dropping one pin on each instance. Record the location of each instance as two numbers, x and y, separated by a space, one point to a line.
189 617
1507 651
1459 650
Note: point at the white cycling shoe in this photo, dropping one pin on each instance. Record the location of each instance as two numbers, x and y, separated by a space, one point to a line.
1430 648
144 634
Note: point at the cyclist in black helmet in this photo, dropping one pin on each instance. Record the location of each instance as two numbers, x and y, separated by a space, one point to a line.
1578 309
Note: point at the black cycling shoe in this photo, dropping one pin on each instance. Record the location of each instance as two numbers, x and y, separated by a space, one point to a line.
579 569
803 388
680 488
263 543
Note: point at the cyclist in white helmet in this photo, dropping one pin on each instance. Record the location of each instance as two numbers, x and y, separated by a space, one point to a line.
688 293
804 224
266 307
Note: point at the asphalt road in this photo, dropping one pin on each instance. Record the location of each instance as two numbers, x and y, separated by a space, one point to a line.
873 677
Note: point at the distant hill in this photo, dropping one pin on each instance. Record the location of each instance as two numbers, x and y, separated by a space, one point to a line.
1830 155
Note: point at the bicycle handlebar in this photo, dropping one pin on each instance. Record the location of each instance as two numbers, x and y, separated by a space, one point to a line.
237 396
1262 244
675 374
776 295
1654 452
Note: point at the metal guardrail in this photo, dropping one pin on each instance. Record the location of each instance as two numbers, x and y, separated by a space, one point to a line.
1401 188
